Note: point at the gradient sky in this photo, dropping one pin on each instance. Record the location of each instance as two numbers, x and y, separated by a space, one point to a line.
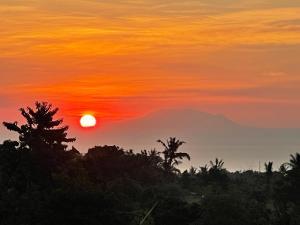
122 59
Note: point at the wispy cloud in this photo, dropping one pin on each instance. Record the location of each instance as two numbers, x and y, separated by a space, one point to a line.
121 52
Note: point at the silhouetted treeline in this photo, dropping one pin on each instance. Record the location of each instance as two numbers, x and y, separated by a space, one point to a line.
42 182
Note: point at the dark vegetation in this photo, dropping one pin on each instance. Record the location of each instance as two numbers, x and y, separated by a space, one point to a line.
42 182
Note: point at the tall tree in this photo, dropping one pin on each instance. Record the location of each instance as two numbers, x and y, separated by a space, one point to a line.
293 174
269 169
217 173
42 136
41 128
172 157
269 174
295 162
287 196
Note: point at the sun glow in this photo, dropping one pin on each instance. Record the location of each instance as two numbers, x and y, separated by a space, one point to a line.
88 121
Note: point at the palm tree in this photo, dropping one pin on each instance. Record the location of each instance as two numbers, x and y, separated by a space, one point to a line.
295 161
293 179
269 174
294 172
217 165
203 169
269 169
171 155
217 173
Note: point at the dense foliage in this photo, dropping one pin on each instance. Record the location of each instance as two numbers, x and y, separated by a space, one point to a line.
44 183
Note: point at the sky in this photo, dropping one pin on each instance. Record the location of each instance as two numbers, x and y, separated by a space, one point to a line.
123 59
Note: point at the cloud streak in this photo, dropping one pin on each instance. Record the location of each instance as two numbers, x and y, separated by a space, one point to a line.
127 52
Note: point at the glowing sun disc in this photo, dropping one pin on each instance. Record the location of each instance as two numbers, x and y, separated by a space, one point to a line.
88 121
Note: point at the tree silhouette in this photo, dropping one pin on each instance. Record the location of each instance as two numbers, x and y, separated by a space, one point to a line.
217 164
269 169
152 156
283 168
40 128
288 192
43 137
171 155
204 169
295 162
217 173
269 174
294 173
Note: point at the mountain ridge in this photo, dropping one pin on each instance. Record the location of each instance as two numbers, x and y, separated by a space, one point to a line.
207 136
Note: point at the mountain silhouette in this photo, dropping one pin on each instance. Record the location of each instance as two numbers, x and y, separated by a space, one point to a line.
207 136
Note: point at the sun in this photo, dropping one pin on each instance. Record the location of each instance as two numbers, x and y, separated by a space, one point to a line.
88 121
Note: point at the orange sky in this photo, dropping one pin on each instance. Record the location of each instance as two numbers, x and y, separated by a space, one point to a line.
122 59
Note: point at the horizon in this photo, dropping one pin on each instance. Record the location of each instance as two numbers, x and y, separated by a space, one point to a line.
113 134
